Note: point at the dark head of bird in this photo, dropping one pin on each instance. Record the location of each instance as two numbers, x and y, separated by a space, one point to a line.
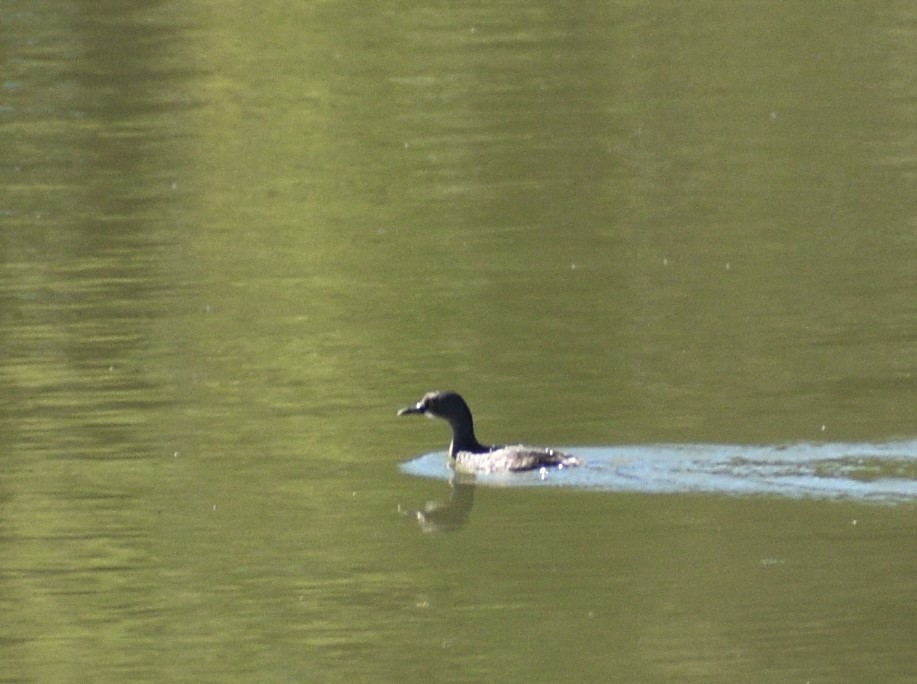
452 408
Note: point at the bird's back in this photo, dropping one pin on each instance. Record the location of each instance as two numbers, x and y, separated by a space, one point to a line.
513 459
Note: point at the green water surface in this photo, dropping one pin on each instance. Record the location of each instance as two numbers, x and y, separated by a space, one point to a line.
235 238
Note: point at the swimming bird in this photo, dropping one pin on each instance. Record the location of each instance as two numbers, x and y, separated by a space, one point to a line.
468 454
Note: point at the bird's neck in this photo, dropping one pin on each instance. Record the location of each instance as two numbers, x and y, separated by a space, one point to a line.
463 439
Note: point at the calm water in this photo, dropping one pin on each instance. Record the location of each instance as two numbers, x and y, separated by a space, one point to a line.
235 239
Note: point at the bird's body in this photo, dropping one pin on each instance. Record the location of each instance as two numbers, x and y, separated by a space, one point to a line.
468 454
512 459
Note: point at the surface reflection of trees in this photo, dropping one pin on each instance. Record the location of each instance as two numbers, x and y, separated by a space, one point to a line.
452 514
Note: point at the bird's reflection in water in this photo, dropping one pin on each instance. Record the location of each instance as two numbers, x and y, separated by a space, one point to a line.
452 514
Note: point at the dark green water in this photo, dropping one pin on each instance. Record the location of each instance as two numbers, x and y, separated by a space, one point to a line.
235 239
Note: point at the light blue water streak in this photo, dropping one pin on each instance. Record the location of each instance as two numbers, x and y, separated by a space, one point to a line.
884 472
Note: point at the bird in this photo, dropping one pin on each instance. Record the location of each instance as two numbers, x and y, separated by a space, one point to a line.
469 455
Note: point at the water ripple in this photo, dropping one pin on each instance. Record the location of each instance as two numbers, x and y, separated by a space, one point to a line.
882 472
